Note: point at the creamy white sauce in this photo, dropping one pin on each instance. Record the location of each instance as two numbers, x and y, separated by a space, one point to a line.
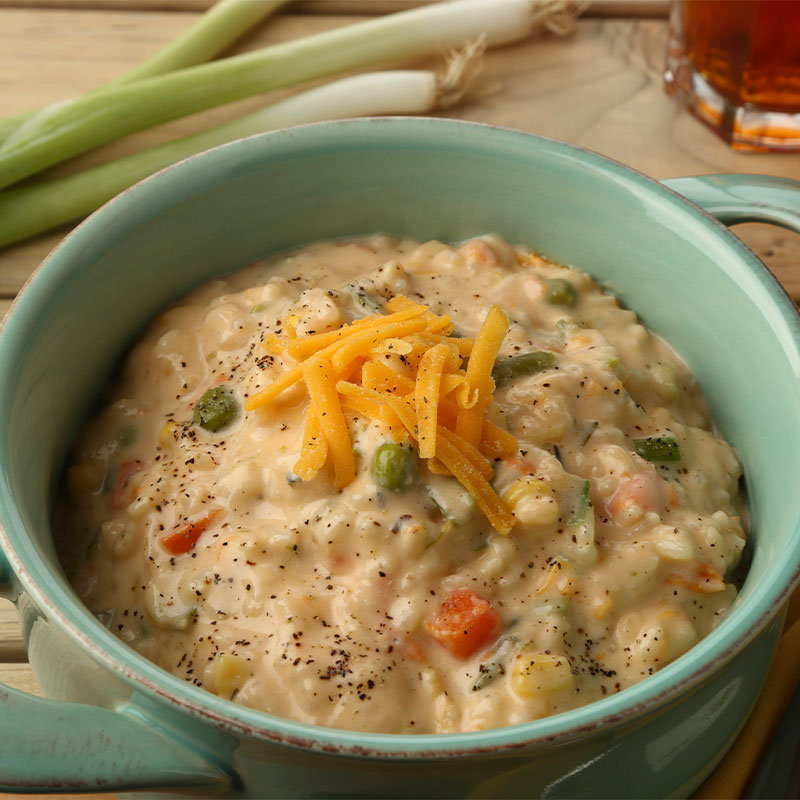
317 605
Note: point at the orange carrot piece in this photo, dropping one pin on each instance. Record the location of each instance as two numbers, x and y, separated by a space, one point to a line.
185 538
464 623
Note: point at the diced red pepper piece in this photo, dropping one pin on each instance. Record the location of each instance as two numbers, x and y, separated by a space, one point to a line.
464 623
185 537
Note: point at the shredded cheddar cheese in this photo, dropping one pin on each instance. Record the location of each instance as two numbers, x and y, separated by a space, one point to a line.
479 373
427 394
314 452
327 408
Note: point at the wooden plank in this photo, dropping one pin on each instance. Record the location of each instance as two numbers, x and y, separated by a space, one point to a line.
12 650
599 8
779 249
19 676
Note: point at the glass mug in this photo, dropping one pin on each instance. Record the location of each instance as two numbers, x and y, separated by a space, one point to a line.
736 65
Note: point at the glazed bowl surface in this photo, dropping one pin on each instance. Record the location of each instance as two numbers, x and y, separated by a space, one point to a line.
688 277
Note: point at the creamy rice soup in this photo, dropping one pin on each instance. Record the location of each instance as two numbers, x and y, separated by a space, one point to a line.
386 485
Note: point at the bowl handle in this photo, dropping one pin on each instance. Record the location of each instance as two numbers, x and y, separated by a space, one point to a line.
743 198
5 577
50 745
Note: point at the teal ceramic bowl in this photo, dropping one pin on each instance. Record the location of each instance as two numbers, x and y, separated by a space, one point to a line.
114 721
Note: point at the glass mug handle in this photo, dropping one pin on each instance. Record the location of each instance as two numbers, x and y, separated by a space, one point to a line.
743 198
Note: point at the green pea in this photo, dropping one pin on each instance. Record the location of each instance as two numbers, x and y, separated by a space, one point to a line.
522 365
394 467
658 448
560 292
216 409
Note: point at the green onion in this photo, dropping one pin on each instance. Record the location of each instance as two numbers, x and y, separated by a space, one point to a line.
658 448
221 25
76 126
37 207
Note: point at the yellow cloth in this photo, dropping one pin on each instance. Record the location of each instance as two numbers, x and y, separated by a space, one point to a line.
735 772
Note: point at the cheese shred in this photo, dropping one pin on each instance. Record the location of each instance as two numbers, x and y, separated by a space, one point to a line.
404 371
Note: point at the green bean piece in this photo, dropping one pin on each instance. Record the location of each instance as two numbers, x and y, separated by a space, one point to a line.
394 467
581 506
216 409
658 448
522 365
560 292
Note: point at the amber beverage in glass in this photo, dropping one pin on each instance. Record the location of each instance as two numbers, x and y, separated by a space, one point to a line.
736 65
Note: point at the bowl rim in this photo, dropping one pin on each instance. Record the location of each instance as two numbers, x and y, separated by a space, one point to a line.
75 620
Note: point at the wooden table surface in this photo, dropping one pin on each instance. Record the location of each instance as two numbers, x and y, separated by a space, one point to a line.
600 88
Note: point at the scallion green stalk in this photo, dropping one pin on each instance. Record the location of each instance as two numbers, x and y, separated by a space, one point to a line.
219 27
103 116
34 208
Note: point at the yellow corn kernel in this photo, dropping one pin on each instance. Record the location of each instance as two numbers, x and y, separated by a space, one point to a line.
166 435
85 477
532 501
230 673
535 674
